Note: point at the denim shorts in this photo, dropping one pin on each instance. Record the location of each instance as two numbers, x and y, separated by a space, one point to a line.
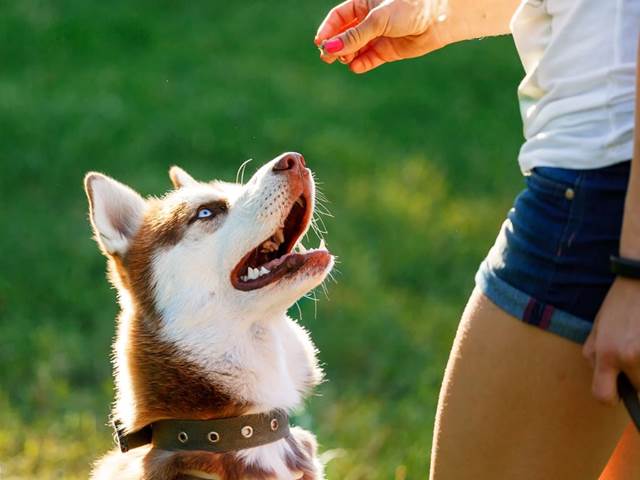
549 266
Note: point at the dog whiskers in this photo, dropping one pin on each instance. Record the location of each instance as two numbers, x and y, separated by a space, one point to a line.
241 169
299 311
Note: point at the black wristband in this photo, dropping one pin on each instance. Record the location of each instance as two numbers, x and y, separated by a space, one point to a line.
625 267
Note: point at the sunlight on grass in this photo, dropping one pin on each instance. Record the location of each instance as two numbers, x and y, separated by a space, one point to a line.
417 161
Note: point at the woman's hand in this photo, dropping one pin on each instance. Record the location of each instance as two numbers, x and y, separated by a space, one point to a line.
381 31
367 33
614 343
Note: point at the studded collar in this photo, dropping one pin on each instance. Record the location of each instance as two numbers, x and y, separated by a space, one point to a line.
219 435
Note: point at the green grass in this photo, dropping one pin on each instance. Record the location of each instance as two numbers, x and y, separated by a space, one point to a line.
418 161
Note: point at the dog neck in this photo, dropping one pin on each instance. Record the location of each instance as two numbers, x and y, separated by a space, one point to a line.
162 374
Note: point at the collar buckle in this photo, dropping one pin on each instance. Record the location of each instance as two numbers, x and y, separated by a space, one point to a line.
127 441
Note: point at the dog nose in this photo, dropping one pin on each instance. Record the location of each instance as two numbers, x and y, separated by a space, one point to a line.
289 161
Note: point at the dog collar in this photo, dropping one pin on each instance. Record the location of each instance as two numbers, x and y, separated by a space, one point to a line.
219 435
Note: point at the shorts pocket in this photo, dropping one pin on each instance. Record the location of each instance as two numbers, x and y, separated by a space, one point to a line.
559 184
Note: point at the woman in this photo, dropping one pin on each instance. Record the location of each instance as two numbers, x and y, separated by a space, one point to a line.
518 401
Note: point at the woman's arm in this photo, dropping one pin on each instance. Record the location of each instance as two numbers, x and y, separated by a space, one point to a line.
630 239
470 19
614 344
367 33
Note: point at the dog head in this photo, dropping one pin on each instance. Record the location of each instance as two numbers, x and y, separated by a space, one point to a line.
211 252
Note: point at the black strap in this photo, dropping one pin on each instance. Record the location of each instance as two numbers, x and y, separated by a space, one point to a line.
217 435
629 396
131 440
625 267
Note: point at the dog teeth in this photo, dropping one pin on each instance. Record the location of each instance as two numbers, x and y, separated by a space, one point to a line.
322 245
269 246
253 273
274 242
301 248
300 202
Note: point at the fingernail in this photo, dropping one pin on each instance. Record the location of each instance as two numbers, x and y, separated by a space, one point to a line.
333 46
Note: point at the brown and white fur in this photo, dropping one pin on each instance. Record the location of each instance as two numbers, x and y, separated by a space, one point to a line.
197 337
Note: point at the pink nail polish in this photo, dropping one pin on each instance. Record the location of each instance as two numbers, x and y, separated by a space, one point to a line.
333 46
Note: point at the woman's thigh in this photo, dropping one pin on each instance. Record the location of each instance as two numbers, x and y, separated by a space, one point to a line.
516 404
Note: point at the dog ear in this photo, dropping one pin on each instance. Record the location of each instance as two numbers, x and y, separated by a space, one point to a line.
180 178
116 212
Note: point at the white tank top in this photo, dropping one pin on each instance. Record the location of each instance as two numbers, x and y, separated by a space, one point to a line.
577 98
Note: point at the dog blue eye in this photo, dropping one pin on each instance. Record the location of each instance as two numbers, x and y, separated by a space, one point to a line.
205 213
210 211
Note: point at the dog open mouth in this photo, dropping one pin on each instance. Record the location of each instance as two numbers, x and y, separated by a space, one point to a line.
274 258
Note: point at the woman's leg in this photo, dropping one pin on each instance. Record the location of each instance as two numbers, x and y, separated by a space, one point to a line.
516 404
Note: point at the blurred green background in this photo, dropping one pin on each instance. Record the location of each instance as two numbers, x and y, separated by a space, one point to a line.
417 159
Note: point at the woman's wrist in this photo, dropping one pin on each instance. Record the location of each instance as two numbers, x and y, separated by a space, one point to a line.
459 20
630 248
630 235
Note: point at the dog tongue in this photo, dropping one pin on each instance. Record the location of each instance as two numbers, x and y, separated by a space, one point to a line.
289 261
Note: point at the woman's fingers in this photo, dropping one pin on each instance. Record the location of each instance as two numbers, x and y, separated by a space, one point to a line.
370 57
367 33
604 385
612 357
357 37
338 18
630 359
327 58
347 59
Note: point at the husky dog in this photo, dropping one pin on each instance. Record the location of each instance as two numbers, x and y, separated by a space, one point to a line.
204 277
